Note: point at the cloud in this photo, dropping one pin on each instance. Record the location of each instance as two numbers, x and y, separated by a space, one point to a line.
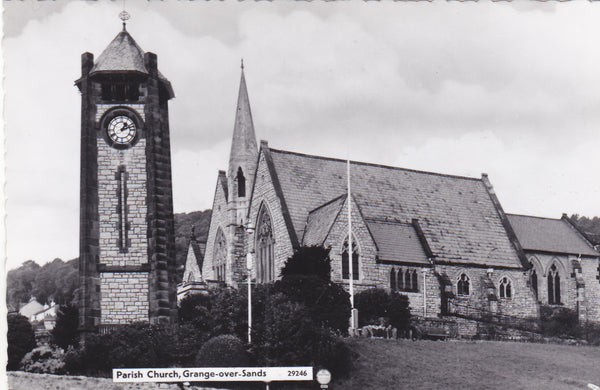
448 87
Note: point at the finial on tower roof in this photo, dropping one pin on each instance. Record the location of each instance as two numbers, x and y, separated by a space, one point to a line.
124 16
242 64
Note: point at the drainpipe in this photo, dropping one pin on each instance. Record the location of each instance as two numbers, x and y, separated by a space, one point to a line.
424 293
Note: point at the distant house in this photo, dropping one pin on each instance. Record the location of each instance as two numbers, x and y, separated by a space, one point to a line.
43 317
31 308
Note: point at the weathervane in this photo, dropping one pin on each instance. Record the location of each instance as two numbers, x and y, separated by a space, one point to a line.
124 16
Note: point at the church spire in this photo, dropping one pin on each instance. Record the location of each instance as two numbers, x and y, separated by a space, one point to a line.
244 150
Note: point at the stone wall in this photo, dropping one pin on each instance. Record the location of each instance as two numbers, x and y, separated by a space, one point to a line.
219 219
590 268
568 286
522 304
264 193
124 297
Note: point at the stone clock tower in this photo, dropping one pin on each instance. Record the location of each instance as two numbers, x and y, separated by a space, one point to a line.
127 244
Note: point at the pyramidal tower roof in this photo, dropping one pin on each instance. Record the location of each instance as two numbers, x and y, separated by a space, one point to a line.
243 145
122 54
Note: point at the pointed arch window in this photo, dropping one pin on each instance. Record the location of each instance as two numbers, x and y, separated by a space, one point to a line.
533 279
463 285
220 256
553 286
241 183
505 288
345 262
393 285
400 279
265 253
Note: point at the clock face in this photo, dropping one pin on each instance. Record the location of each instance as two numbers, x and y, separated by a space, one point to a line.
121 130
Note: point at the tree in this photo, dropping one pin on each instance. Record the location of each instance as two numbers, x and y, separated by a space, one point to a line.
306 278
21 339
64 333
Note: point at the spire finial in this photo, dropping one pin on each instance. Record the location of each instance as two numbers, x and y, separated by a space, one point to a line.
242 64
124 16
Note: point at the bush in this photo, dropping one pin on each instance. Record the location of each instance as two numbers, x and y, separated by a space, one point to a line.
44 360
286 335
134 346
21 340
306 279
375 303
223 351
372 304
64 333
399 311
559 322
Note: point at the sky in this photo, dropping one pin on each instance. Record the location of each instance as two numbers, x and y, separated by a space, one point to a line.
510 89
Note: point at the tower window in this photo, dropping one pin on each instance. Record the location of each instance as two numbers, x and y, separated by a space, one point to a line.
241 182
553 286
120 91
345 262
121 177
462 287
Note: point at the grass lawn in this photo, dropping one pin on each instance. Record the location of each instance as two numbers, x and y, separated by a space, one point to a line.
404 364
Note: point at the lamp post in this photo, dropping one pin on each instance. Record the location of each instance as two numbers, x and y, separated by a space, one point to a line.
249 261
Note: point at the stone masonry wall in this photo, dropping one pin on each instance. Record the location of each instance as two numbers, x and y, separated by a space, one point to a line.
590 272
124 297
264 192
369 275
522 303
568 286
219 219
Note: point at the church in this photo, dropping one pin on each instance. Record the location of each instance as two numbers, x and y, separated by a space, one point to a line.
443 240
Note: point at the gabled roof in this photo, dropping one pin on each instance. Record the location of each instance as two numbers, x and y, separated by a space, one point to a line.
31 308
549 235
320 221
456 214
398 242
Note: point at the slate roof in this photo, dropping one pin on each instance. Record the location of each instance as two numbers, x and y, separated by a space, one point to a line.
398 242
549 235
458 218
123 54
320 221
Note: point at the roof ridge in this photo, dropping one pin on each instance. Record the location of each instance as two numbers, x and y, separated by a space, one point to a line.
374 165
329 202
534 216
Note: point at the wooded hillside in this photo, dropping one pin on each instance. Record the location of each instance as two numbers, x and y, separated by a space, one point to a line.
58 279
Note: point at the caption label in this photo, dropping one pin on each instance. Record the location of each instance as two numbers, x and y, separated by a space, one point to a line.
213 374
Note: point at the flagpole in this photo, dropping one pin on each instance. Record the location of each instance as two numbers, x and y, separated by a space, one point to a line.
350 249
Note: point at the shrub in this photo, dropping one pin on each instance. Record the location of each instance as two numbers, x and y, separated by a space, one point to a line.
223 351
375 303
44 360
133 346
21 340
286 334
399 311
372 304
308 260
306 279
559 322
64 333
